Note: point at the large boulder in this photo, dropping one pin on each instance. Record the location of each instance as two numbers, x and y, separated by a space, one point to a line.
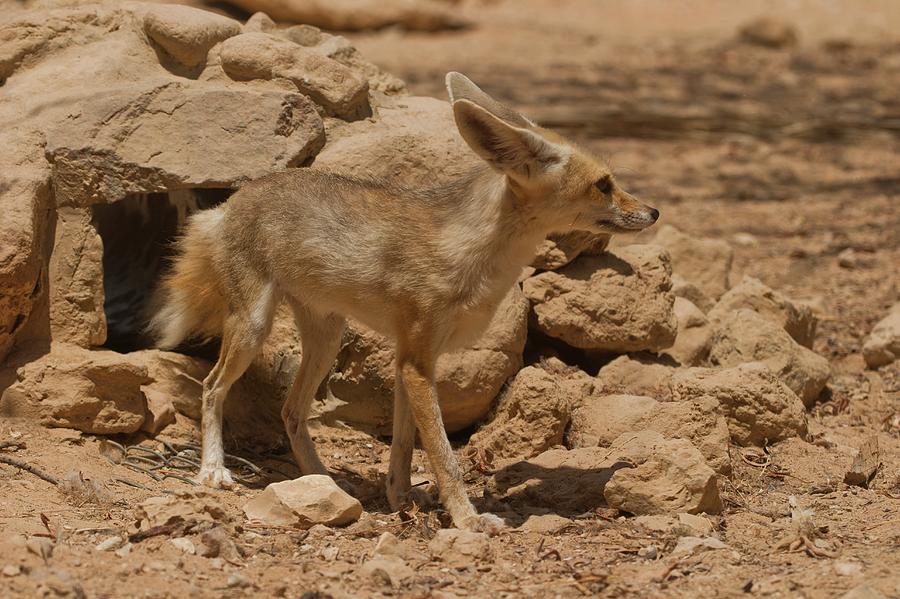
468 380
704 262
743 336
759 408
618 302
600 420
531 417
883 344
669 476
92 391
797 319
413 142
24 203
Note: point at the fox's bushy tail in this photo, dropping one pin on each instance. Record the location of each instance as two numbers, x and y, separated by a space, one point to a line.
190 302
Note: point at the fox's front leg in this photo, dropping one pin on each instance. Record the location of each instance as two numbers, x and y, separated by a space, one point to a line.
418 384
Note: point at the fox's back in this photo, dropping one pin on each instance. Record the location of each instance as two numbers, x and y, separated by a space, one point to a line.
337 241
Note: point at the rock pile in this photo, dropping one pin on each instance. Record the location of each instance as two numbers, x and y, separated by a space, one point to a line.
675 364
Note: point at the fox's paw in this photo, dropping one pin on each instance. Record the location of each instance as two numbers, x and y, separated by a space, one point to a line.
217 477
487 523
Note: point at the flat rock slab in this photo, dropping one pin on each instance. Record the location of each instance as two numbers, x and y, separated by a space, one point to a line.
304 502
170 136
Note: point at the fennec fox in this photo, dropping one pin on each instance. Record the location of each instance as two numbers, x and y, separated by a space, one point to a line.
424 267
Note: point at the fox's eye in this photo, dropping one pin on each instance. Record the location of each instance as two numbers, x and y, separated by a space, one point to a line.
604 184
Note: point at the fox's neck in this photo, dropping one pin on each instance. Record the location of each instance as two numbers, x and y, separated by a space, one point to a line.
487 237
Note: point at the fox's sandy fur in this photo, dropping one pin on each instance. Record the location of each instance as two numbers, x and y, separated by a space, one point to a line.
424 267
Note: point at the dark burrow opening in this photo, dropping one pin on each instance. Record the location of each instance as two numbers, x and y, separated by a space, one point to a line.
138 234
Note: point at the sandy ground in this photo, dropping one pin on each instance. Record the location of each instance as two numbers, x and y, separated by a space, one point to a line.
791 154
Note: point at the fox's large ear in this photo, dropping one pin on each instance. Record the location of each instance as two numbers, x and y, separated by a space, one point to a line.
517 151
461 87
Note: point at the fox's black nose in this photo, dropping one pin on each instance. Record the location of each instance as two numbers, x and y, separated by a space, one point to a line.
654 214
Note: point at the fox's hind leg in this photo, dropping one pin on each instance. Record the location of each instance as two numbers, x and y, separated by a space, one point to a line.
320 339
402 443
242 336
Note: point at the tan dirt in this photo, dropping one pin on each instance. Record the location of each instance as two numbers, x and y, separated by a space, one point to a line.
798 163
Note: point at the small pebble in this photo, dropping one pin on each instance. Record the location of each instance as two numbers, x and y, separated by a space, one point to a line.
11 570
109 544
237 581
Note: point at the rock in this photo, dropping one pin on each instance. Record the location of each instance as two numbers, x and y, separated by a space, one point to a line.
692 340
336 88
669 475
694 525
745 336
110 544
681 525
865 465
863 591
187 33
76 268
530 418
618 302
391 571
160 412
569 482
560 249
215 542
199 506
259 22
759 408
883 344
636 374
702 261
769 32
797 319
96 158
414 142
600 420
304 502
184 545
692 545
546 524
459 548
468 381
683 288
388 545
357 15
92 391
24 203
253 409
